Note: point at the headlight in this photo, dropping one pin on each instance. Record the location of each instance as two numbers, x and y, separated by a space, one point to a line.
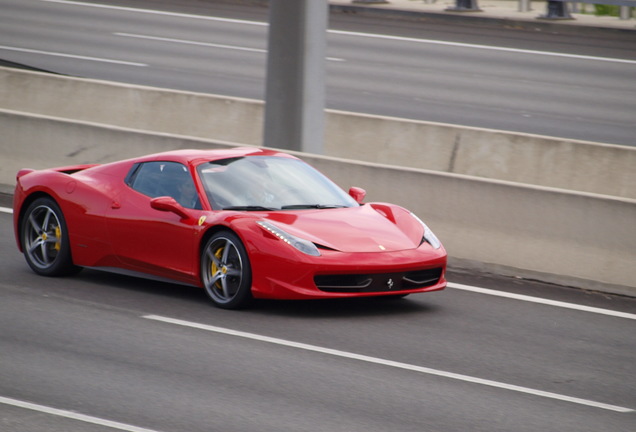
305 246
429 237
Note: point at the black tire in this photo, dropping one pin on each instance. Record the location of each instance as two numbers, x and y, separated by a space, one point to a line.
226 272
45 239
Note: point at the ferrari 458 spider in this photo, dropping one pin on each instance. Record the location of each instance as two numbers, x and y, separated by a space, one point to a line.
242 223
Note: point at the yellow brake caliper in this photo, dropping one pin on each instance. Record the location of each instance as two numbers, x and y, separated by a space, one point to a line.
58 238
214 268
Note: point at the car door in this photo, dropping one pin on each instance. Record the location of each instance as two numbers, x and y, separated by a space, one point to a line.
148 240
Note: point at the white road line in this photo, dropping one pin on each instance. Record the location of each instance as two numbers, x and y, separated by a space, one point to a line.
189 42
206 44
6 210
482 47
348 33
156 12
57 54
541 301
390 363
73 415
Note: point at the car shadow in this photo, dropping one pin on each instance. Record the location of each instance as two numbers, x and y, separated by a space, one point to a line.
112 280
153 292
335 308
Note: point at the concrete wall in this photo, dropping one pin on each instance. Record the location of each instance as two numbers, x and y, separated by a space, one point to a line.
565 237
517 157
523 158
138 107
36 141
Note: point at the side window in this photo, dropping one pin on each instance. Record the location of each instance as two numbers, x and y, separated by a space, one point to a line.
144 179
172 179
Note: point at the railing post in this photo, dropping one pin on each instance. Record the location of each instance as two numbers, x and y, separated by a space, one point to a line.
464 6
625 12
557 10
524 5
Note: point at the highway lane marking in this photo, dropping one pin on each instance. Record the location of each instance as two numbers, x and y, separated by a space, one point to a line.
384 362
156 12
73 415
482 47
206 44
189 42
349 33
57 54
541 301
6 210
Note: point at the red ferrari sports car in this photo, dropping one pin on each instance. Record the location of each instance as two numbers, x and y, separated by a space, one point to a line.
242 223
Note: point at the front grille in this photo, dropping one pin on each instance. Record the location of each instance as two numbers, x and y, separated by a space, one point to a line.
378 282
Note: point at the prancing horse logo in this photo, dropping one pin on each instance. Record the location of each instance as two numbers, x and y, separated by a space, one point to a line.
390 283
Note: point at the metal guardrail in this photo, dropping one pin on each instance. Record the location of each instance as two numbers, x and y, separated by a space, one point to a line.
555 9
558 9
628 3
625 6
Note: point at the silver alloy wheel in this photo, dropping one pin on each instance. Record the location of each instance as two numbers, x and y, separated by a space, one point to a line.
42 237
224 272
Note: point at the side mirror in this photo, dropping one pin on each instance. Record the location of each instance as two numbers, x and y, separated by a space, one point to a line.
357 194
169 204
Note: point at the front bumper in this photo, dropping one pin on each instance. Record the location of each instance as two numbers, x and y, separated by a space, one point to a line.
340 275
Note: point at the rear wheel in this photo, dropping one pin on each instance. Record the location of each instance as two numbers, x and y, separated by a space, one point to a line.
45 239
226 271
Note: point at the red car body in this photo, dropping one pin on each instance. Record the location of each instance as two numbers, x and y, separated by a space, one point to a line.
369 249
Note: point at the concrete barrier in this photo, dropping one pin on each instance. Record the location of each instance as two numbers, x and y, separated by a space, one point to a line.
571 238
130 106
37 141
522 158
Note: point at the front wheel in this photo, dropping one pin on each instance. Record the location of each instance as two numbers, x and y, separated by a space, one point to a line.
225 271
45 239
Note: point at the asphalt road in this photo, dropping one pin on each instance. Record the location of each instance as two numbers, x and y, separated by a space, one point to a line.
103 352
564 85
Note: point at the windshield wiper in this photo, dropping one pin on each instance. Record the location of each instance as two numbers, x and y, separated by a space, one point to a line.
312 206
249 208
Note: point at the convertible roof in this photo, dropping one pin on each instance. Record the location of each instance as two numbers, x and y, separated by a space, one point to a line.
197 156
189 157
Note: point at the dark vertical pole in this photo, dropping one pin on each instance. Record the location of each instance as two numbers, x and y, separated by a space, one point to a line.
557 10
295 87
464 6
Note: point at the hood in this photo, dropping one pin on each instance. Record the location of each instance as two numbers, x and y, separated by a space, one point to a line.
368 228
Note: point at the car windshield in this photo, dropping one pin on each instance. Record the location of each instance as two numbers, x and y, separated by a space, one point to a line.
269 183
